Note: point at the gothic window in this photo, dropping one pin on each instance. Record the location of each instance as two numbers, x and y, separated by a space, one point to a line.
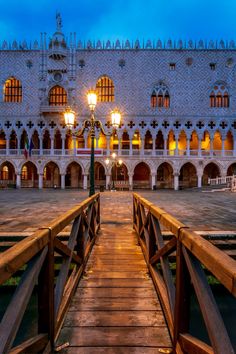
105 89
57 96
12 90
219 96
160 97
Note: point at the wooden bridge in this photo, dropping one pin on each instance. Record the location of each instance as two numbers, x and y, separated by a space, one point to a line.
112 288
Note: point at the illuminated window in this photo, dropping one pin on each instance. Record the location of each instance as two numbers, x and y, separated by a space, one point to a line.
5 173
219 96
12 90
160 97
57 96
105 89
24 173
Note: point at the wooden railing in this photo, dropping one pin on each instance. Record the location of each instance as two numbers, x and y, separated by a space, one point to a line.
36 255
191 253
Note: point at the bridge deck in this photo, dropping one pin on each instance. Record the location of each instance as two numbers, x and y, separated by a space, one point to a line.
115 308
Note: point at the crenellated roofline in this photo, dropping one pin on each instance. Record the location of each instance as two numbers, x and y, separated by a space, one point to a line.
136 45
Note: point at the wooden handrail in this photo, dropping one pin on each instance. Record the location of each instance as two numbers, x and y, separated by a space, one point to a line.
36 254
191 251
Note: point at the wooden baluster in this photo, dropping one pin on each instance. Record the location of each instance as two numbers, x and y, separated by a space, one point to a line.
46 320
182 296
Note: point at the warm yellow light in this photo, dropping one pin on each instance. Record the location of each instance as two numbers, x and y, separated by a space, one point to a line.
120 162
69 117
115 118
107 161
113 155
92 99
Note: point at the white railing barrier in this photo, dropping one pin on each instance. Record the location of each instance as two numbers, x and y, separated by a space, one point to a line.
221 180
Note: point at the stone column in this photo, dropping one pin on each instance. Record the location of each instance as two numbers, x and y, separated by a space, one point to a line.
188 147
199 180
85 182
52 147
108 139
154 175
176 145
63 142
199 147
154 147
211 146
131 147
18 146
223 147
176 181
18 180
74 145
108 181
234 151
165 146
142 146
41 146
63 185
7 145
130 181
40 180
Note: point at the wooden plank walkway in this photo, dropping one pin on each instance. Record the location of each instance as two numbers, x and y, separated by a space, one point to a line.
115 308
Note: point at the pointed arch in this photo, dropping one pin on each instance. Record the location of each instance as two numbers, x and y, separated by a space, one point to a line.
188 176
231 170
74 176
51 175
29 175
211 170
105 89
12 90
165 176
142 176
7 173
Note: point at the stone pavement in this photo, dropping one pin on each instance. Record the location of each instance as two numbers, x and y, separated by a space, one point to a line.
26 210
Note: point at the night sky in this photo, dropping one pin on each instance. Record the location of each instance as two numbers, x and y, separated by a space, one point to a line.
124 19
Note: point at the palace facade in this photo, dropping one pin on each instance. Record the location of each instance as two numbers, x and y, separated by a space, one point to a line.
177 100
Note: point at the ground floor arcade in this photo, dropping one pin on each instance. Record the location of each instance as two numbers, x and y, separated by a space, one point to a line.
131 174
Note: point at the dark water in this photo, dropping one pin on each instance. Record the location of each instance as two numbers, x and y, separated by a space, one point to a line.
226 303
227 307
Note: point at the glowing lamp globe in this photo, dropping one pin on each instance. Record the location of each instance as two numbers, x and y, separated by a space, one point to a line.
92 99
115 118
69 116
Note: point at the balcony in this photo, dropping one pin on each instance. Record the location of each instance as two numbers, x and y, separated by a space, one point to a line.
125 152
46 108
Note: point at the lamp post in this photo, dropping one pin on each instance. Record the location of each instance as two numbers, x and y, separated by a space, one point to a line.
91 124
115 163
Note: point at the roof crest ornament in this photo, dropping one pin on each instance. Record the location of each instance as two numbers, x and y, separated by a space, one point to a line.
59 21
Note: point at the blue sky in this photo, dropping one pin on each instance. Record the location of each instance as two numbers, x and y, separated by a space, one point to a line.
123 19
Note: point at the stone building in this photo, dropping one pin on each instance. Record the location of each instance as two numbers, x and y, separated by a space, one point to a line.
177 100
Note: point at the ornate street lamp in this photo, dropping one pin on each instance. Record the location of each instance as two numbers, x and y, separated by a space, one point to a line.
91 123
115 163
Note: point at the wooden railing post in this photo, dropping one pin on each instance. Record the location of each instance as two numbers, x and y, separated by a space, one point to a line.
46 316
182 295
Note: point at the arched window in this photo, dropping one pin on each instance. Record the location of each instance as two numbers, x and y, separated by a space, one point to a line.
12 90
160 97
105 89
57 96
219 96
